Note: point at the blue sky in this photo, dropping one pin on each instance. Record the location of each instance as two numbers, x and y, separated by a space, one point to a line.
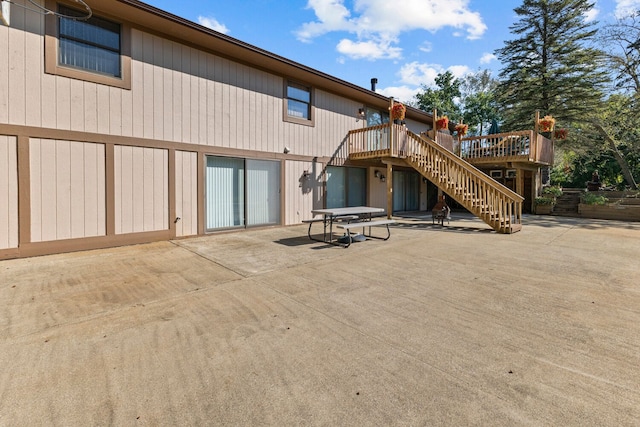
404 44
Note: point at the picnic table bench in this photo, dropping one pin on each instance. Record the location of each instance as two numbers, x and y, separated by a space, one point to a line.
364 224
344 218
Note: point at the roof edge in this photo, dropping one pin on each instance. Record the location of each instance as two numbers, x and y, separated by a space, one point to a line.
366 95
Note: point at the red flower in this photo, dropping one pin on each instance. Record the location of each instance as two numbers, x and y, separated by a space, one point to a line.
546 124
462 129
560 134
442 123
398 111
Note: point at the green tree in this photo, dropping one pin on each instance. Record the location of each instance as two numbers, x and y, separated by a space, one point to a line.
442 97
550 65
607 143
618 123
479 103
621 45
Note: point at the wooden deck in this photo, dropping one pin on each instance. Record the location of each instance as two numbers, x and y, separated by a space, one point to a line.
521 146
495 204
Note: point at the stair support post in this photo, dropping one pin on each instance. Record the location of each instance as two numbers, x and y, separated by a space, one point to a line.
389 190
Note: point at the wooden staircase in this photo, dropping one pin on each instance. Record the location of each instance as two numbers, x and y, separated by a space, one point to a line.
495 204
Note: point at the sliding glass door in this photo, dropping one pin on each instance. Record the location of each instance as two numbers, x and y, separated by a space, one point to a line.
406 191
241 192
263 192
225 192
346 187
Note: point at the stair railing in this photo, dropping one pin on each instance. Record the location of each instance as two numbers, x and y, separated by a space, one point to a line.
494 203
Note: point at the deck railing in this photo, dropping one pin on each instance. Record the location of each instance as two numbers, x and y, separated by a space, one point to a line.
373 141
376 140
491 201
508 146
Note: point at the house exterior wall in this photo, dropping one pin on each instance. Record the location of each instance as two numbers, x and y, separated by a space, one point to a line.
186 173
178 94
302 194
67 189
377 188
100 165
141 189
8 192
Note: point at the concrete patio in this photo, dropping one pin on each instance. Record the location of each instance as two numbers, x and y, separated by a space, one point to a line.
453 325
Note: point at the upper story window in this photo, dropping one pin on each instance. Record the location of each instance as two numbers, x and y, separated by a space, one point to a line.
376 117
95 50
92 45
299 103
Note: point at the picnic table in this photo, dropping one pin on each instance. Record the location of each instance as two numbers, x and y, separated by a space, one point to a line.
347 219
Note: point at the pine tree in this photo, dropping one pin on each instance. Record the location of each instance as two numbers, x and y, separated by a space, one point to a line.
550 66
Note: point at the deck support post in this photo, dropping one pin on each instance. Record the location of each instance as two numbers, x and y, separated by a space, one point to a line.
389 190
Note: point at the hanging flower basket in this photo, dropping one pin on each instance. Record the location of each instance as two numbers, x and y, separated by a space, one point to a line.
398 111
546 124
442 123
560 134
462 129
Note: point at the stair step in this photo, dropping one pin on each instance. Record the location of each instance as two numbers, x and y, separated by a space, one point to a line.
446 177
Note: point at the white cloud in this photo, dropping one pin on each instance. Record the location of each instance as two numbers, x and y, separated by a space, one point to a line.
212 23
400 93
418 74
624 8
332 16
414 75
382 22
459 70
487 58
368 50
592 14
426 47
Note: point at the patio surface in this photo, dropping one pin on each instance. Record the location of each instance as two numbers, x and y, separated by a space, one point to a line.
454 325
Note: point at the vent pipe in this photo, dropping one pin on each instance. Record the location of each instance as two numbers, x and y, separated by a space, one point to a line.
374 81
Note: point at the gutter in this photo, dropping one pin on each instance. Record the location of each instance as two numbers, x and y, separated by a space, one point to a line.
246 53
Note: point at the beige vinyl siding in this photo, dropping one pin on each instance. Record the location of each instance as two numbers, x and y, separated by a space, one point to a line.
141 189
67 189
16 76
417 127
178 94
377 189
301 195
4 74
8 192
186 193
